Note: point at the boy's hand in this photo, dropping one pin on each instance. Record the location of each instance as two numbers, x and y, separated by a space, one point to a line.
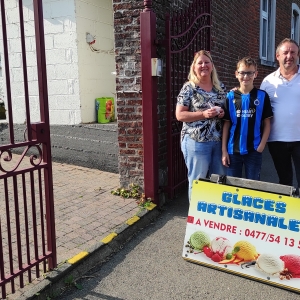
260 148
225 159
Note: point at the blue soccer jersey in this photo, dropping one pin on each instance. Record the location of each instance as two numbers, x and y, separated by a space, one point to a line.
246 113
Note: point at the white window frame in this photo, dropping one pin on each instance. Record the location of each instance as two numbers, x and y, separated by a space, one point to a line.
295 23
267 38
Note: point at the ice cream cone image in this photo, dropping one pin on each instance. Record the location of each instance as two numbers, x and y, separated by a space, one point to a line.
246 252
198 240
219 248
243 251
269 264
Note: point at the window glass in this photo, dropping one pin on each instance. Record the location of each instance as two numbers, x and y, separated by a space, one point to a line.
267 31
265 5
295 22
264 39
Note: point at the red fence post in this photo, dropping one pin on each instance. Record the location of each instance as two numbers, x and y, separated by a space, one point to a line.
149 102
44 114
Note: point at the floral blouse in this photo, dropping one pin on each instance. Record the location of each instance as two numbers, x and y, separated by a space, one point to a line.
197 99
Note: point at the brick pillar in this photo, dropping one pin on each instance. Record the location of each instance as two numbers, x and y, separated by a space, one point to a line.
128 90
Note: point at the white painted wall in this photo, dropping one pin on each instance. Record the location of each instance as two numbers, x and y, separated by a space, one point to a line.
76 76
95 68
61 57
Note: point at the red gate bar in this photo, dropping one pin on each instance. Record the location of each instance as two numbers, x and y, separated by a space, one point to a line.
44 112
27 239
7 73
25 77
26 226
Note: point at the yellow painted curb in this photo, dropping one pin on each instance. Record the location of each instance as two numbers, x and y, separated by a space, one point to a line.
77 257
132 220
109 238
151 206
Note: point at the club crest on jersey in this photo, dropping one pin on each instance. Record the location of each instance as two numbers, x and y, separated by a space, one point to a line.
256 102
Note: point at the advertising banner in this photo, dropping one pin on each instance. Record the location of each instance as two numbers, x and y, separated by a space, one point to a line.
250 233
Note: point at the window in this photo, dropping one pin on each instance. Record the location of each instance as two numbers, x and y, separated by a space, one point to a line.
295 22
267 32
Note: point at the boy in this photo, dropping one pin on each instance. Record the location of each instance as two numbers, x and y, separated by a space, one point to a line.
246 124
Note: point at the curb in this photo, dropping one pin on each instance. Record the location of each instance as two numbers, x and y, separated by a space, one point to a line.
80 264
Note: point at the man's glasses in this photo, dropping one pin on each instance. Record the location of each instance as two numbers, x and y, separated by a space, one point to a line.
249 74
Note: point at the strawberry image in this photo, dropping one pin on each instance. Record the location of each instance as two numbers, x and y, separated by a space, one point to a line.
291 266
207 251
216 257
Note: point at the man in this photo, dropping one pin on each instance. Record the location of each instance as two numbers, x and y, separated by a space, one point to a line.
283 87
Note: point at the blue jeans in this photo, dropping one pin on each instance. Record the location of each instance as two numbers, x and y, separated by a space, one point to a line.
252 162
201 159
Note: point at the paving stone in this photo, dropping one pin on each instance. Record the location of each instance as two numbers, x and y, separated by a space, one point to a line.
84 213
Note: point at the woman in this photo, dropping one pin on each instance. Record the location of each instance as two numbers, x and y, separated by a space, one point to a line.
199 107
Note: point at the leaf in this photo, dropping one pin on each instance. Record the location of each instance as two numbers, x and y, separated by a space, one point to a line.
69 279
79 286
229 256
236 249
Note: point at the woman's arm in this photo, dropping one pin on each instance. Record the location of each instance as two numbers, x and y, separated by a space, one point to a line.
184 115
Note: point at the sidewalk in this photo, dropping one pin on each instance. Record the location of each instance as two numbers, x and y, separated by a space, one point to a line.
85 212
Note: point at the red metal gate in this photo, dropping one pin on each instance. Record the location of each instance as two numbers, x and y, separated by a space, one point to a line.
27 228
187 32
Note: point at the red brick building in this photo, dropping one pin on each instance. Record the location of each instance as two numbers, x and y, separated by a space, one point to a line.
237 28
251 28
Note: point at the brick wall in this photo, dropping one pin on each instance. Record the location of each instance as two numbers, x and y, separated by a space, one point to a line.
128 87
235 34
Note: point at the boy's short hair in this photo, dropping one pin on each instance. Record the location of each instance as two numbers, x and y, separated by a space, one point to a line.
247 61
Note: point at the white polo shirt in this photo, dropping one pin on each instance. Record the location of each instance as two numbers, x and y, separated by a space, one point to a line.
285 101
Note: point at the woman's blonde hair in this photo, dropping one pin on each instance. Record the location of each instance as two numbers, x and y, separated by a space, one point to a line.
192 77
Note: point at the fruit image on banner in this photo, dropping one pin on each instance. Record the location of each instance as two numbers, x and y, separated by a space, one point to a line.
246 232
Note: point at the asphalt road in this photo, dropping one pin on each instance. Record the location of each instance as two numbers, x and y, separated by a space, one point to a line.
92 146
150 266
